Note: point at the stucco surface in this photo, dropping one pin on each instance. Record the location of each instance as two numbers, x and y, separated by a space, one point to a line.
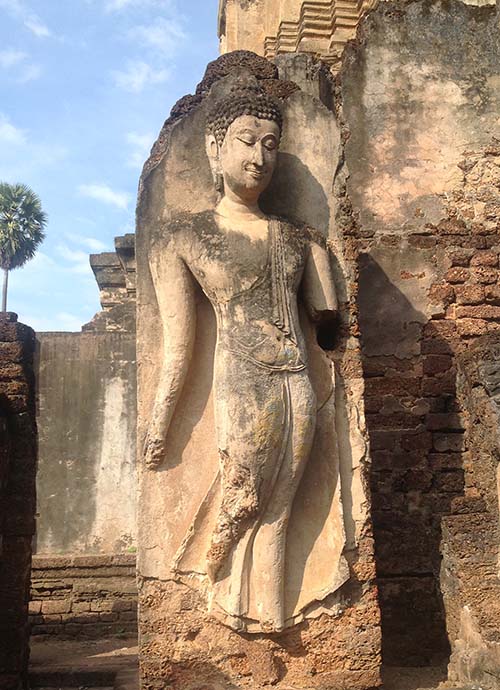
86 417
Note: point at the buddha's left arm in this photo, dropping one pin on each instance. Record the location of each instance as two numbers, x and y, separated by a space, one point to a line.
318 289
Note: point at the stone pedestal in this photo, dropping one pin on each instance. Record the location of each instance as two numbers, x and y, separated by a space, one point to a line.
331 638
17 496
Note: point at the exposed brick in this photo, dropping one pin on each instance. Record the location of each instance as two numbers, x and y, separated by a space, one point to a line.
472 327
441 293
470 294
451 481
440 384
484 258
492 293
453 442
437 364
393 385
484 275
439 329
452 226
35 607
422 241
482 311
460 257
445 461
457 275
417 440
56 606
444 421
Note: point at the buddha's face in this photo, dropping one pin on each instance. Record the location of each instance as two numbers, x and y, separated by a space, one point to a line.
248 156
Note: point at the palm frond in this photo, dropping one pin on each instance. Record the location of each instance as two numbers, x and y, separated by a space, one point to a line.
22 223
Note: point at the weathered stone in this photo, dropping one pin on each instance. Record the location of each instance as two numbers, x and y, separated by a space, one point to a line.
86 420
197 519
406 198
469 573
269 28
81 585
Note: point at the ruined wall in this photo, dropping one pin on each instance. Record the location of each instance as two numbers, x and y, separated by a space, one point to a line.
17 496
275 27
471 536
86 417
83 596
420 91
86 482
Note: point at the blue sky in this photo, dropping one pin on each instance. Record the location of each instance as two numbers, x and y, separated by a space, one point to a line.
85 86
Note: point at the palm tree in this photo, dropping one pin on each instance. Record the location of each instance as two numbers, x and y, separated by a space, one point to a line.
22 224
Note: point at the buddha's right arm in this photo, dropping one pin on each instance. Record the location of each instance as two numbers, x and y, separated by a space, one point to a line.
175 295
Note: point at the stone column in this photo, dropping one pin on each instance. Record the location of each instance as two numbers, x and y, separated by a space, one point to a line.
17 496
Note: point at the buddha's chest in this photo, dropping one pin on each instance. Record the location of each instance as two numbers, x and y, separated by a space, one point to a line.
230 263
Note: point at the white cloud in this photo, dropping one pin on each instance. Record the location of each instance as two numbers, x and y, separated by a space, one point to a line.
37 27
31 21
163 35
29 73
102 192
78 259
74 255
140 145
91 243
10 58
17 64
138 75
118 5
9 133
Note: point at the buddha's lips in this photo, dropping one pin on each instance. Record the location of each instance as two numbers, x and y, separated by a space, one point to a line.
255 172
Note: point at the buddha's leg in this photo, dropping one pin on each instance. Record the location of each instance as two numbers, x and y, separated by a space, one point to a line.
268 575
251 412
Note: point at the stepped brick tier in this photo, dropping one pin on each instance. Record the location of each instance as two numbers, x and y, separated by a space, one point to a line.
321 28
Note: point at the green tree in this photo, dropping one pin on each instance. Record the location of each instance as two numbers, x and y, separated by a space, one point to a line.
22 224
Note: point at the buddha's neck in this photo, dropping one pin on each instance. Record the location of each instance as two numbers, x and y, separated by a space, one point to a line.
238 209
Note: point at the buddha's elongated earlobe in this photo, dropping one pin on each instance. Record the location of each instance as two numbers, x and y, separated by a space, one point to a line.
219 182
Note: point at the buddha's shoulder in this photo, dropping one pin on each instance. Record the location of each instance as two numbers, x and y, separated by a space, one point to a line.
302 231
190 222
184 228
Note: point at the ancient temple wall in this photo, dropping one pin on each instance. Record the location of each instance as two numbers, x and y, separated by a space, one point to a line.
83 580
274 27
17 496
86 417
420 93
471 533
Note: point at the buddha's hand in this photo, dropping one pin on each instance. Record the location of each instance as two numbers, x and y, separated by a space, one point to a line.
154 451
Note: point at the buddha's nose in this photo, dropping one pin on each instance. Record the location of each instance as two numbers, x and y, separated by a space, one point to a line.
258 156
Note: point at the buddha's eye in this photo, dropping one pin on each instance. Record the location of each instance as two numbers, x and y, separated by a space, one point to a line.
270 144
246 140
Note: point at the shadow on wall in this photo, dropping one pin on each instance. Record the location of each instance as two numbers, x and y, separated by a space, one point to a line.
416 446
294 192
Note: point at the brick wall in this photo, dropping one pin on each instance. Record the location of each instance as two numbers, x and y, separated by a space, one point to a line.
17 496
425 213
471 535
83 596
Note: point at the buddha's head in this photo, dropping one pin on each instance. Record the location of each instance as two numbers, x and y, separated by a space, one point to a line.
243 135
